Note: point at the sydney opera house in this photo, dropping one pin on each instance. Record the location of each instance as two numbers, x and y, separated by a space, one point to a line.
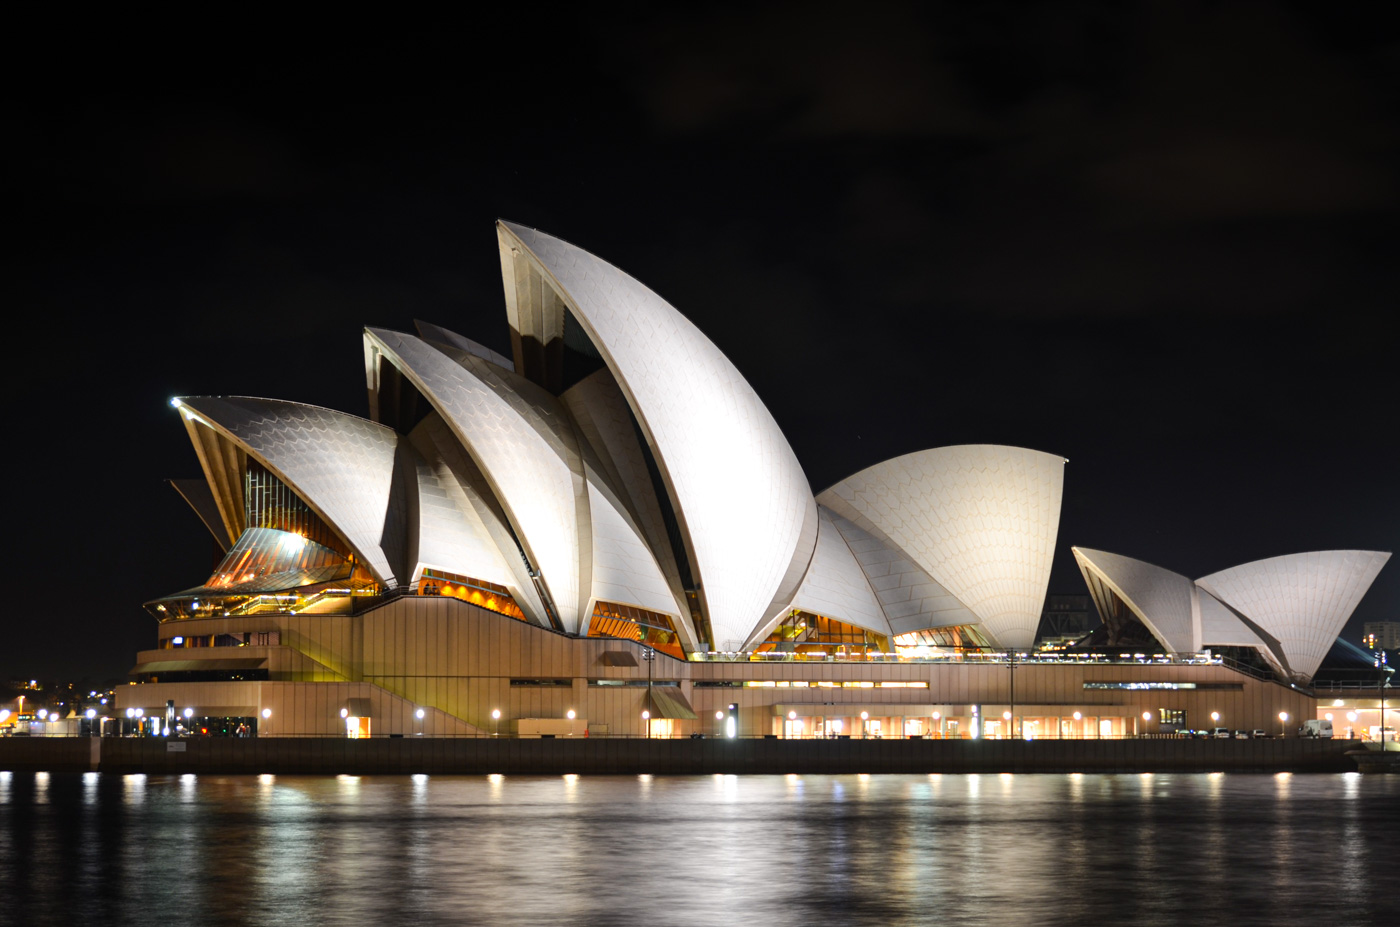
607 534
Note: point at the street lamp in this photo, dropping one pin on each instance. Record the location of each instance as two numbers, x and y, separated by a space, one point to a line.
792 718
938 721
1011 665
1282 720
1385 671
646 722
267 716
649 655
864 717
1006 716
570 716
495 722
418 715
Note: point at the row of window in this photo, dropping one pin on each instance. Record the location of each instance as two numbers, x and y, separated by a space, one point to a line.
802 684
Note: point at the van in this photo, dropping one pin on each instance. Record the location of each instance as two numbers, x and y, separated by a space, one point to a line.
1221 732
1319 728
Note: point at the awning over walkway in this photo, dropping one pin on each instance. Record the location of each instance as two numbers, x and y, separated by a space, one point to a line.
184 666
668 702
617 658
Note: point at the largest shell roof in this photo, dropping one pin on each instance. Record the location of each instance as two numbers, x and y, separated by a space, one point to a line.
660 481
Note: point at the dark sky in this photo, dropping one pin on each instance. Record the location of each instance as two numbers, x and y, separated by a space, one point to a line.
1159 239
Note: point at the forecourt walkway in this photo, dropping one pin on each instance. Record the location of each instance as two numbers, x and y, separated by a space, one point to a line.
623 756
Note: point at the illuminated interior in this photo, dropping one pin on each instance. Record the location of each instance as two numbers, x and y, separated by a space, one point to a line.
287 561
636 624
802 632
478 592
937 641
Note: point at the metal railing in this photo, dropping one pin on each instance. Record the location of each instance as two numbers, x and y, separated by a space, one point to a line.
969 657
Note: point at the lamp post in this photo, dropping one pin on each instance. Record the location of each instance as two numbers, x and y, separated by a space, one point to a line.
648 654
1282 720
1384 672
495 722
1006 716
267 716
646 723
864 717
1011 715
938 723
570 716
792 717
1079 728
418 717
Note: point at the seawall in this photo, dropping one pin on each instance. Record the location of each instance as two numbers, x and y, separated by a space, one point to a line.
619 756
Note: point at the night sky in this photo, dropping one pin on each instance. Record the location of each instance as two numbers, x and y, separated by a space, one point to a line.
1160 240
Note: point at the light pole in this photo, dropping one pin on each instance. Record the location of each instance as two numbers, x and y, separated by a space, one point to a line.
1006 716
649 654
1079 728
418 716
646 723
864 717
571 722
495 722
267 716
719 724
1282 720
938 722
1010 715
792 718
1384 671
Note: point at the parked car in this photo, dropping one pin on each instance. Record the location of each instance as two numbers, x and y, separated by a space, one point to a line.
1222 733
1260 734
1242 735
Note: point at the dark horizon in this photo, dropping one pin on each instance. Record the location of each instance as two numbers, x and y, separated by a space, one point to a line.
1157 241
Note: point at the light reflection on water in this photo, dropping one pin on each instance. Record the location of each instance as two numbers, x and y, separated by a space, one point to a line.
797 849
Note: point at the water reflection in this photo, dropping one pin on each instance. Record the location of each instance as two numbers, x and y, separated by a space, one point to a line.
1208 849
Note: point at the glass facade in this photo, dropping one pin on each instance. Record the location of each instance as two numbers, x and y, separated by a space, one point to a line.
936 640
806 633
476 591
636 624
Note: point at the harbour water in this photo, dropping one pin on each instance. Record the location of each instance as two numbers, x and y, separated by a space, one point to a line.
99 848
